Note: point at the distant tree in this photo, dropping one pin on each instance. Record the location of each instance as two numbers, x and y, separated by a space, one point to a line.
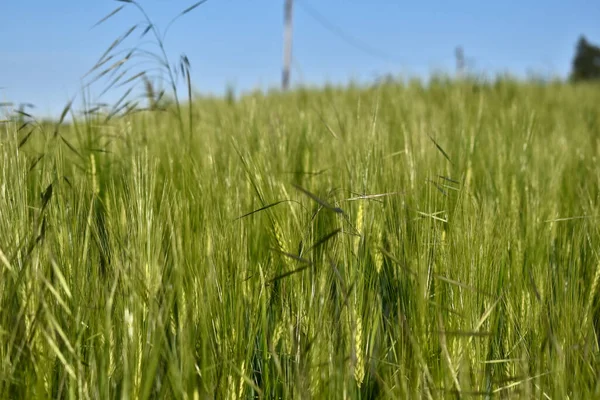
586 64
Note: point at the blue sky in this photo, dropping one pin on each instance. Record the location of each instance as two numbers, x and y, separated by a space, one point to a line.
47 46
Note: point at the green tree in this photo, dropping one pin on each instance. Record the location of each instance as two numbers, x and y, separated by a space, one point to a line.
586 64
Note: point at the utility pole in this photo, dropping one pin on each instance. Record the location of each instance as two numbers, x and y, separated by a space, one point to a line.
287 43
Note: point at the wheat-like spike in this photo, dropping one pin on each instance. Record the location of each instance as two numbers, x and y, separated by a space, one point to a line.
95 186
592 294
469 174
231 394
112 363
378 255
209 246
5 262
277 334
525 306
281 242
241 385
279 236
359 226
359 366
137 379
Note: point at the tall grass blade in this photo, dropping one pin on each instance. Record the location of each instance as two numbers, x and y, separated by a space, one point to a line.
193 6
25 139
47 195
262 209
63 115
71 147
112 46
441 150
108 16
325 239
285 275
181 14
320 201
293 256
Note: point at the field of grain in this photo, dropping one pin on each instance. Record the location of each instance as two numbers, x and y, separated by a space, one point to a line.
394 241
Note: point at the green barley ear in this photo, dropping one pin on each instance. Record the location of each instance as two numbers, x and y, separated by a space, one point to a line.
378 256
209 246
359 367
241 384
279 238
469 174
231 394
95 186
282 244
592 295
359 226
277 333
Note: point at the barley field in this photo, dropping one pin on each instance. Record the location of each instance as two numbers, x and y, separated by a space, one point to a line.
394 241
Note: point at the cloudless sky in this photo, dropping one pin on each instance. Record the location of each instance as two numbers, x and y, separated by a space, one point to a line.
47 46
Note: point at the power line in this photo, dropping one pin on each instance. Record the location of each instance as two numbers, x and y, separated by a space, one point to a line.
340 33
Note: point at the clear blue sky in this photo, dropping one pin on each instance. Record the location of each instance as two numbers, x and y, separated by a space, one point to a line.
47 46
